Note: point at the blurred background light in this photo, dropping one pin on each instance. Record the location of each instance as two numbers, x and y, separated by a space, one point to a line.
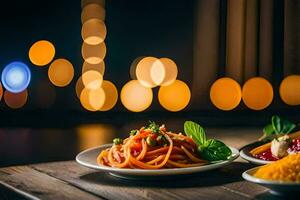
174 97
61 72
1 91
93 54
15 100
45 94
157 72
92 79
225 93
111 94
92 135
92 100
136 97
79 87
92 11
143 71
16 77
171 71
289 90
257 93
95 67
87 2
133 66
93 31
41 53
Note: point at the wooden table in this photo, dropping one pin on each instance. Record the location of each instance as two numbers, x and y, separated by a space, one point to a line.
68 180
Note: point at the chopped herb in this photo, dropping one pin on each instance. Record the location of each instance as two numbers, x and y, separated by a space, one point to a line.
117 141
150 141
153 127
133 132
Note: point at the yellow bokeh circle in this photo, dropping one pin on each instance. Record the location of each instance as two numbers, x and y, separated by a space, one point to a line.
95 67
136 97
93 54
143 71
289 90
61 72
111 94
93 31
92 100
174 97
257 93
92 11
225 93
92 79
41 53
168 73
79 87
15 100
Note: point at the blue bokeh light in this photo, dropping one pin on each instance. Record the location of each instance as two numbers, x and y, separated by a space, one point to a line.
16 77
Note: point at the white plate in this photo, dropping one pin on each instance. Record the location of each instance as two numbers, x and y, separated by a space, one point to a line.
245 154
276 187
88 158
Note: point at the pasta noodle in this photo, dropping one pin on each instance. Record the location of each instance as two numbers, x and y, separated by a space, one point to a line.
152 148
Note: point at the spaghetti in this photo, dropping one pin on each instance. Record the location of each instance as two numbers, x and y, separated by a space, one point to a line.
152 147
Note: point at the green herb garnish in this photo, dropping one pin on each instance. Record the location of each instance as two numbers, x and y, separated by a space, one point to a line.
117 141
209 149
153 127
277 127
133 132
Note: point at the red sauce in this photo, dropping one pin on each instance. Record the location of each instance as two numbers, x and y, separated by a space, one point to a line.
266 155
295 146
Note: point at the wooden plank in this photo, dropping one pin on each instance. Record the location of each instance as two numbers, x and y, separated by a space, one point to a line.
35 185
210 185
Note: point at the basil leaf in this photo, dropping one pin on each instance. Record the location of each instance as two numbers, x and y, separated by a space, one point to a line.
276 123
195 131
215 150
287 126
268 130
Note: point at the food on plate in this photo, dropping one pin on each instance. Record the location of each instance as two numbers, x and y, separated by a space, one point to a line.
154 147
281 141
287 169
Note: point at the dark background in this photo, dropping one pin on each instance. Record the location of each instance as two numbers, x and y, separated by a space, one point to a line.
161 28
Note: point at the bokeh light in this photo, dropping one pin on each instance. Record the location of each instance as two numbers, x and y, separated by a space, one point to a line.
158 72
92 79
45 94
133 66
225 93
15 100
93 31
92 135
93 54
111 95
257 93
95 67
174 97
1 91
92 100
170 69
289 90
79 87
92 11
61 72
143 71
136 97
87 2
41 52
16 77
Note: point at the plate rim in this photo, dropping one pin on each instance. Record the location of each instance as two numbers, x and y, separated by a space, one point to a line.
247 175
252 159
147 172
